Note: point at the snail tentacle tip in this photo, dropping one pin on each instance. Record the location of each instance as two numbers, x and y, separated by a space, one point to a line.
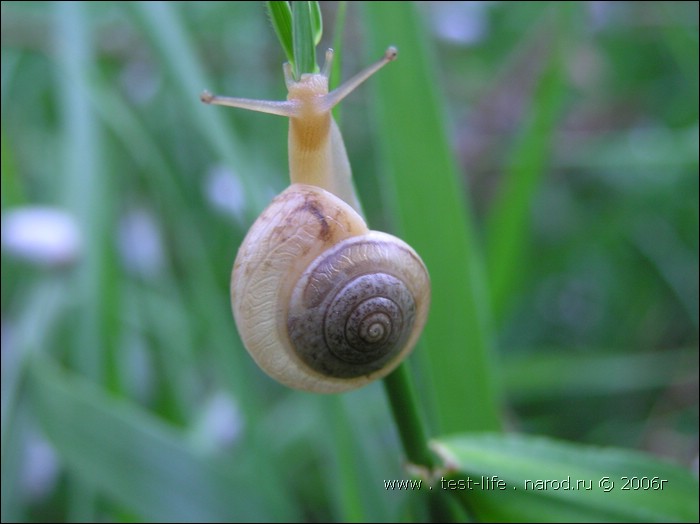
206 97
391 53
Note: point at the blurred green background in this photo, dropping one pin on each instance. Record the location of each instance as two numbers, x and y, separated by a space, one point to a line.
126 394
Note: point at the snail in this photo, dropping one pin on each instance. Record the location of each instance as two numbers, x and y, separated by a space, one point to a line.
321 302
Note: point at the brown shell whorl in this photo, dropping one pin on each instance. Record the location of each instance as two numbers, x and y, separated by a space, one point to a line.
354 309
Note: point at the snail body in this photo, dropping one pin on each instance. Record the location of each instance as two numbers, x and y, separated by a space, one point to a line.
321 302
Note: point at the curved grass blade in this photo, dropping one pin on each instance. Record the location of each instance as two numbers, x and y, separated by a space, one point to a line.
140 462
524 478
316 22
280 15
338 30
508 228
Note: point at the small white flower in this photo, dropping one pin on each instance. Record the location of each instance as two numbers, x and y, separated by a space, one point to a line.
140 242
220 423
46 236
464 23
225 192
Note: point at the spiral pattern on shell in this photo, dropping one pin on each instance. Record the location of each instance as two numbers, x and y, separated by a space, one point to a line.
352 311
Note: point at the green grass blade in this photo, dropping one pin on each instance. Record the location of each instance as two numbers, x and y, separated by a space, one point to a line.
316 22
338 31
137 460
39 311
83 174
515 459
10 187
508 229
304 39
13 508
280 15
434 218
348 478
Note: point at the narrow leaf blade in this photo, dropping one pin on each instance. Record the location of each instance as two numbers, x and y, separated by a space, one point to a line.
304 46
316 22
547 479
281 19
137 460
509 231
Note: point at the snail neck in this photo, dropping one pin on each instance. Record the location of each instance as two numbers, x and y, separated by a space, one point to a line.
310 148
317 153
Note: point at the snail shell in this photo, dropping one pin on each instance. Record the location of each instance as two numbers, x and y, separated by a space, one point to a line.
322 303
